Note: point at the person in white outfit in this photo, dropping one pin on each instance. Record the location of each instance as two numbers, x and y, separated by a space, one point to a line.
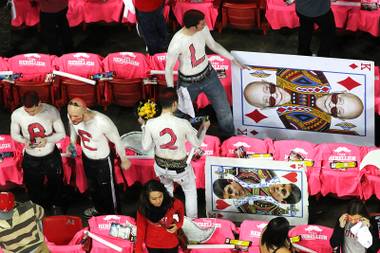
96 130
39 127
196 74
167 134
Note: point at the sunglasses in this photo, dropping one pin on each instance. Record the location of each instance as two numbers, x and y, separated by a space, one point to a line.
74 104
334 100
272 90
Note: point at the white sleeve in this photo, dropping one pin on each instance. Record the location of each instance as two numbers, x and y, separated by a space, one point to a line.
113 135
147 140
58 129
171 59
16 130
215 46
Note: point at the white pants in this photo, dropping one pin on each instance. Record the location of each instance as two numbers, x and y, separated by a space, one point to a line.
187 181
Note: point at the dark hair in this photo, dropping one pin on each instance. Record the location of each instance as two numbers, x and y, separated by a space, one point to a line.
30 99
295 195
192 18
276 233
357 206
167 96
219 185
146 208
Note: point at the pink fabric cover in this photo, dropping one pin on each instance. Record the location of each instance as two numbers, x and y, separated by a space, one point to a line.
127 65
141 170
100 225
335 180
251 145
224 229
82 64
25 14
73 247
10 168
75 13
282 150
158 62
370 182
281 15
210 11
314 237
108 11
73 167
250 230
33 67
377 89
210 146
5 88
219 63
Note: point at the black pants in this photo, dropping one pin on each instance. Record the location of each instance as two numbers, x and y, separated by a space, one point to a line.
173 250
102 187
326 24
56 32
153 29
35 171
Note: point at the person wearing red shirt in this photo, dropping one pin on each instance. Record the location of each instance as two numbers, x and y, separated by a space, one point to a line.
159 217
151 24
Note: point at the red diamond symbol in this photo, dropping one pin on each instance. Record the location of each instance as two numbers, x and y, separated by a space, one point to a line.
254 132
325 89
353 66
281 110
349 83
256 115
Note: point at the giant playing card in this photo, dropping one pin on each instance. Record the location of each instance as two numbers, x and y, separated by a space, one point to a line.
298 97
239 189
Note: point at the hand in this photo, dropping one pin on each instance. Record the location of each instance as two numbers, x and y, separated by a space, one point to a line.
343 220
172 229
240 65
206 124
141 121
41 142
365 221
125 164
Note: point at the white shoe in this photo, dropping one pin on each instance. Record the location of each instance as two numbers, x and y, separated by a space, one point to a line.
196 234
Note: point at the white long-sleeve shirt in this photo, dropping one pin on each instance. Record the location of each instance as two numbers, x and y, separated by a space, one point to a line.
95 134
190 50
167 134
45 124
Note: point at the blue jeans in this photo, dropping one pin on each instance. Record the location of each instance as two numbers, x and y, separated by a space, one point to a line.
153 29
215 92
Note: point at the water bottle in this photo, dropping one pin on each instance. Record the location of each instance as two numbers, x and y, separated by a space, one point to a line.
72 150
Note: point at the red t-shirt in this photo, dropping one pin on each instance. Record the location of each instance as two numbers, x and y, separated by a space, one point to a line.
148 5
156 236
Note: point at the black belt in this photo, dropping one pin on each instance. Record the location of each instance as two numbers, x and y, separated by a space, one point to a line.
197 77
178 166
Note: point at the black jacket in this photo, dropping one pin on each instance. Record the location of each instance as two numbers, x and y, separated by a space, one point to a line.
337 238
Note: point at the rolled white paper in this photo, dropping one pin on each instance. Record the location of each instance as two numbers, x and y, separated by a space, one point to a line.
75 77
303 248
161 72
103 241
210 246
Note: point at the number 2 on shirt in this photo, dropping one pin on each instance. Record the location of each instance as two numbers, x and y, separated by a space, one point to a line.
173 138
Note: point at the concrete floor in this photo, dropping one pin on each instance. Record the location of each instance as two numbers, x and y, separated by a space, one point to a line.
103 39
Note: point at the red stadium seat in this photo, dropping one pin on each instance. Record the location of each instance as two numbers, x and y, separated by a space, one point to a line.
244 16
61 229
129 69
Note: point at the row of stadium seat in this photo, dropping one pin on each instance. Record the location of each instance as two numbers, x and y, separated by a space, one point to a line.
130 70
322 177
65 234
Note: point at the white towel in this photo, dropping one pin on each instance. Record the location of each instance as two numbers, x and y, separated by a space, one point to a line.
185 104
128 7
363 234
